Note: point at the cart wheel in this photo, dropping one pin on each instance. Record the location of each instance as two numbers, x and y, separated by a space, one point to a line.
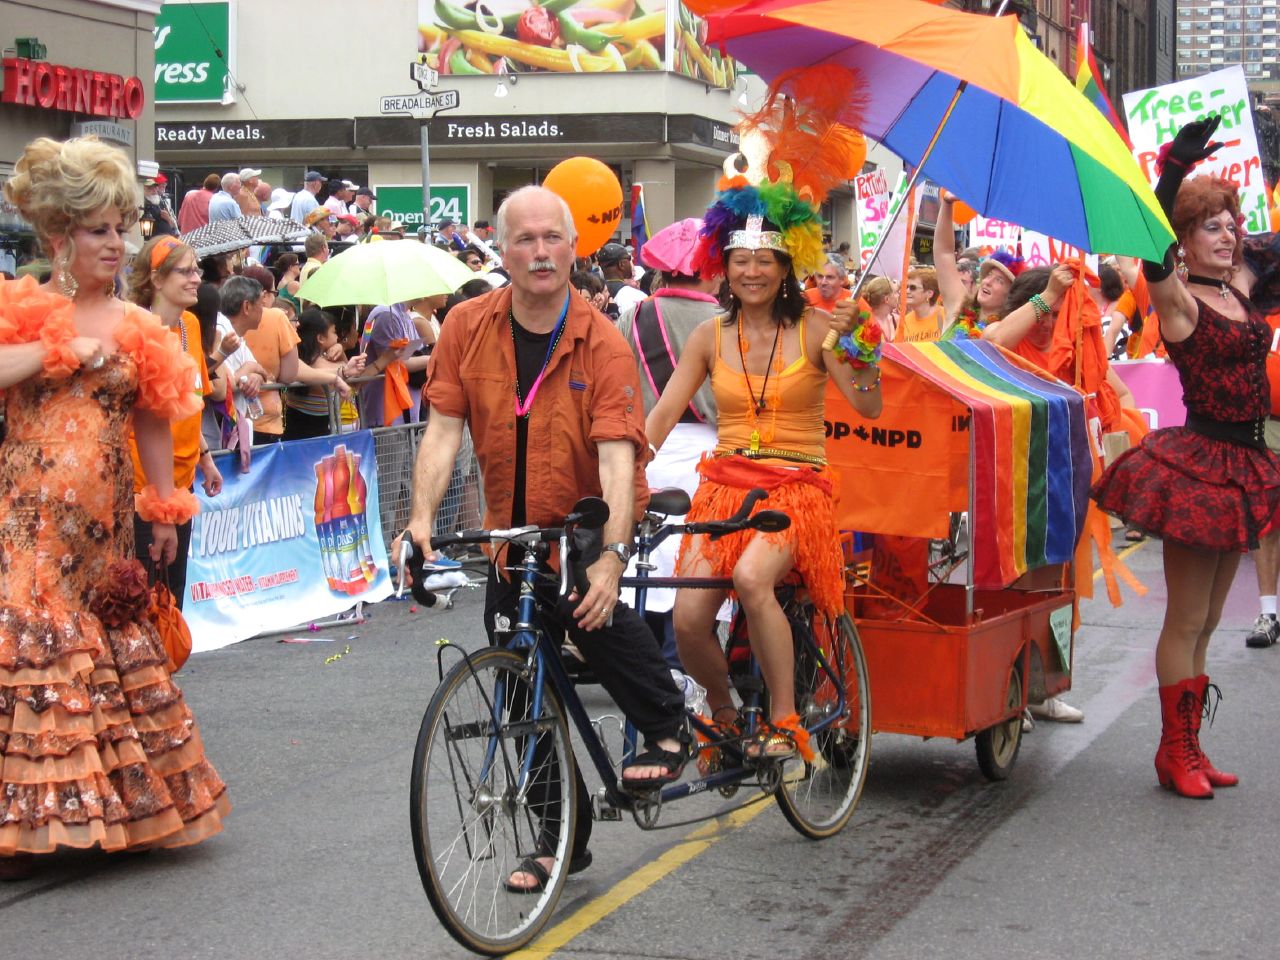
998 746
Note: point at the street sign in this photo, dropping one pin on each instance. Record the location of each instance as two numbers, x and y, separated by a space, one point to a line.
425 77
420 105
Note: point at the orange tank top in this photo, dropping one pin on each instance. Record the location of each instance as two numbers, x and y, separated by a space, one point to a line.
915 328
797 426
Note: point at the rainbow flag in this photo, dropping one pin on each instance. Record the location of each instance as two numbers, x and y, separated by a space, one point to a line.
639 223
1089 82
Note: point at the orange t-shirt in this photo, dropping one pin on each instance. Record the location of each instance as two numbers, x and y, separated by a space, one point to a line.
186 432
915 328
814 299
273 338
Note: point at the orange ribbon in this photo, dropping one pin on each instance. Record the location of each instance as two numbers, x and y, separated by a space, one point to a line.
395 386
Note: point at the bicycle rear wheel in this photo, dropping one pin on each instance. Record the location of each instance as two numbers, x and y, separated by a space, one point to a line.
474 817
819 797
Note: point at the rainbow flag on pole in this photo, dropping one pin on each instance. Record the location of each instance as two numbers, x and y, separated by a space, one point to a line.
639 224
1089 82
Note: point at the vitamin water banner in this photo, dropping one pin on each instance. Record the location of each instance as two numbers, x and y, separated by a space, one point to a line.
295 539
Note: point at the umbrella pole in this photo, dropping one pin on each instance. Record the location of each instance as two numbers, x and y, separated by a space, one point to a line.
832 337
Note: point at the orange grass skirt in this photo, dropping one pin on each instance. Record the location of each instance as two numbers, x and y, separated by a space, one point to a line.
804 494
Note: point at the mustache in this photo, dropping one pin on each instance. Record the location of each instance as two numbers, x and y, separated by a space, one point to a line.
537 265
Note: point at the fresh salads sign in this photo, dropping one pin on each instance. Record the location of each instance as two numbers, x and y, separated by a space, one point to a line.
193 49
404 203
1155 116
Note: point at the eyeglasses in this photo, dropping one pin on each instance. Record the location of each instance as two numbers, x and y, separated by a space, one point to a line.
186 271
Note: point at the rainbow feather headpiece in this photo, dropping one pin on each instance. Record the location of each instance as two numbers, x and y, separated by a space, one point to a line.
771 216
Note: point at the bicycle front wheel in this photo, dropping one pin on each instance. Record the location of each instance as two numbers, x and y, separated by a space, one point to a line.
819 797
491 787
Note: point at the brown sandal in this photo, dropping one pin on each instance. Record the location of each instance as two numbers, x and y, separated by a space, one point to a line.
710 759
779 740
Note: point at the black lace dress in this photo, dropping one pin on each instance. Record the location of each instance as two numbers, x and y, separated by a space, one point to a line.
1204 491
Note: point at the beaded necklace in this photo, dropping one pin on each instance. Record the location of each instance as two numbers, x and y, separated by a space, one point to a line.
758 404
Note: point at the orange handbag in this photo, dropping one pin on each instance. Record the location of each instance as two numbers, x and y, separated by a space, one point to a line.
175 635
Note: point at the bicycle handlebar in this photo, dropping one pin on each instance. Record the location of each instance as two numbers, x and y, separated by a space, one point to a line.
586 516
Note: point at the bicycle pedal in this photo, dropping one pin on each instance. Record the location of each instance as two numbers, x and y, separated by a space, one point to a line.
602 809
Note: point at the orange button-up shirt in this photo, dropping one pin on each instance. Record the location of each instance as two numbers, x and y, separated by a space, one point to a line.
591 393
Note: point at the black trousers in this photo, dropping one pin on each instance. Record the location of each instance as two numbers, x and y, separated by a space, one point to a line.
628 662
177 570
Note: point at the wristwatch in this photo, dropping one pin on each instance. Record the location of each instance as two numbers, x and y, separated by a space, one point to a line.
620 550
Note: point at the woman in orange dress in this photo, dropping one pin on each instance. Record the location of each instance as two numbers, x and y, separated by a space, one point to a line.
97 747
769 375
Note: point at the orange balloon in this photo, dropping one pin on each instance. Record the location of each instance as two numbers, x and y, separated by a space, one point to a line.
594 196
962 213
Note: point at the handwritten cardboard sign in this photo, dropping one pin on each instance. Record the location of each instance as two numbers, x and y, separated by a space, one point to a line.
1155 116
876 206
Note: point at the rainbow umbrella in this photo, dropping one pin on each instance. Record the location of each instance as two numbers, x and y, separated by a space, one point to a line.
972 103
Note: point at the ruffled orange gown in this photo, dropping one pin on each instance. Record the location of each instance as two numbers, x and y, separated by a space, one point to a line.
97 746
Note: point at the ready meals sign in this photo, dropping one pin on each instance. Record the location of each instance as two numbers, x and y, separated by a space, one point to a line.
194 52
1155 116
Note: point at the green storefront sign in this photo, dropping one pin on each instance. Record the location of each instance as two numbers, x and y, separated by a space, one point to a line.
193 45
404 203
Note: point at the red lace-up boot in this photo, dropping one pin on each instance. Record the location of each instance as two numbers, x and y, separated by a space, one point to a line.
1179 763
1216 777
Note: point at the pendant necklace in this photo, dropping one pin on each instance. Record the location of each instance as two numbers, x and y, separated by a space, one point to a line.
757 405
1223 289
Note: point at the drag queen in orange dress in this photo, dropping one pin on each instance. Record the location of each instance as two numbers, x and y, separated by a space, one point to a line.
97 746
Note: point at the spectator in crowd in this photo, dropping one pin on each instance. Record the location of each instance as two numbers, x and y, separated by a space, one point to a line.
304 201
967 267
194 211
262 193
155 207
883 301
346 228
473 258
618 268
280 204
340 195
165 279
318 347
207 309
224 205
448 232
286 270
925 318
397 343
321 220
830 287
362 205
316 247
274 344
593 290
247 196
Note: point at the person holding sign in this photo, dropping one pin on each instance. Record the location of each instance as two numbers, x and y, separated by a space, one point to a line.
1208 488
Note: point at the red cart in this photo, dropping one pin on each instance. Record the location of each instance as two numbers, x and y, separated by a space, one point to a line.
974 485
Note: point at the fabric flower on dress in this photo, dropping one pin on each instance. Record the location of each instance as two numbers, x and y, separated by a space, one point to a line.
123 599
166 373
30 313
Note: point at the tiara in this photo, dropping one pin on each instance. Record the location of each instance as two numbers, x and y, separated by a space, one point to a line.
753 237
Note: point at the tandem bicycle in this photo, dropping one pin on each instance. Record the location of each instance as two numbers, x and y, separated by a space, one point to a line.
493 784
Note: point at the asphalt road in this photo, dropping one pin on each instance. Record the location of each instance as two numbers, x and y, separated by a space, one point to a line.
1079 854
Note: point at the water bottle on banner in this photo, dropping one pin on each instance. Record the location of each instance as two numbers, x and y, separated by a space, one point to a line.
342 526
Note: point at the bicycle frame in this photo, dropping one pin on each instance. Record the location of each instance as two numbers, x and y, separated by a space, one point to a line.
528 635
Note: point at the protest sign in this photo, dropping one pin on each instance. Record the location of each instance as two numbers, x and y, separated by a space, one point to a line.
877 205
1155 116
295 539
1036 249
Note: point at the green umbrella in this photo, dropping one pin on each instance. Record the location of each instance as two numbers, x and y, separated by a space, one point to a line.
389 271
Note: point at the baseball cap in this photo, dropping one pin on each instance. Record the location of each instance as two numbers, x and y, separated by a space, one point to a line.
248 173
612 253
447 222
349 218
350 186
312 176
366 192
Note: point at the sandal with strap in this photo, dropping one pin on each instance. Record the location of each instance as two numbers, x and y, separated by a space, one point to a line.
541 875
710 759
779 740
672 763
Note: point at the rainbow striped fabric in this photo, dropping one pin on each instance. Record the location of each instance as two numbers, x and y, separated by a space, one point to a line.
1031 459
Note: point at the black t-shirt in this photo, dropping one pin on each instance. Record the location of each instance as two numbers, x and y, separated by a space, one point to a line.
531 353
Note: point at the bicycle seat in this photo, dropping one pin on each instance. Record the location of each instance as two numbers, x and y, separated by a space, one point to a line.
671 501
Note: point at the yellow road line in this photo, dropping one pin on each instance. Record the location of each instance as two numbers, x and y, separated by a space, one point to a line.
636 884
644 878
1122 554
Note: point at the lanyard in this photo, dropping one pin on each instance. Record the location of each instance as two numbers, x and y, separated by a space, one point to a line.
522 409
